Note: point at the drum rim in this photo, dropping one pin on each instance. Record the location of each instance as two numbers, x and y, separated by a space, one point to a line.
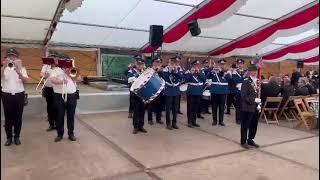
157 93
144 82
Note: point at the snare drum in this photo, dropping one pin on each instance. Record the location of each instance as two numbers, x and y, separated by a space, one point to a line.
148 85
183 87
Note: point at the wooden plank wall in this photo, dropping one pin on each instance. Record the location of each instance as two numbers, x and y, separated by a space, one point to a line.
85 61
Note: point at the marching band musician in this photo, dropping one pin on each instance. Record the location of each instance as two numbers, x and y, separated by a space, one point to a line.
155 105
131 69
204 103
172 74
138 104
195 78
249 112
235 83
48 93
219 90
65 98
13 76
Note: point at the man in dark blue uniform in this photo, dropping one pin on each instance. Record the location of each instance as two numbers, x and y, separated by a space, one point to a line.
204 101
249 112
138 104
130 70
235 86
155 105
195 78
172 74
219 89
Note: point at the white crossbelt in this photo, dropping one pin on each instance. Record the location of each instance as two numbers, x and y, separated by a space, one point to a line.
220 83
173 85
239 86
195 84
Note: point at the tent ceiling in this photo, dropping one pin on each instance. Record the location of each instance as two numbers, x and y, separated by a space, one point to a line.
125 23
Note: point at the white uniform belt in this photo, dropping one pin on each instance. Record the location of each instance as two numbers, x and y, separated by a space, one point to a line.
173 85
220 83
195 84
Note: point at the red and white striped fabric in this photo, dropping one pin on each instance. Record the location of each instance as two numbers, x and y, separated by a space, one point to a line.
312 61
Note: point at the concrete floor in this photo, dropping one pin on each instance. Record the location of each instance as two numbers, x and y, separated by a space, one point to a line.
106 149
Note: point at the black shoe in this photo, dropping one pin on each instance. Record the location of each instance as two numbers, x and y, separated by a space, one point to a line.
228 113
196 125
143 130
150 122
58 138
245 146
190 126
8 142
222 124
135 131
51 128
199 116
130 115
169 127
17 141
72 138
214 123
252 143
160 122
238 122
180 112
175 126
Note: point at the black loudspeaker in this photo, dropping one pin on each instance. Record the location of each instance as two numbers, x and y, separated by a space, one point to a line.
194 28
156 35
300 64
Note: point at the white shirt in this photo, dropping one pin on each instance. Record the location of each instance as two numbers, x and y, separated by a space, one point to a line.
70 87
11 83
47 69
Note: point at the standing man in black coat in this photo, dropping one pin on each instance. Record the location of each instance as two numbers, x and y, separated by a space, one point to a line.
295 77
249 112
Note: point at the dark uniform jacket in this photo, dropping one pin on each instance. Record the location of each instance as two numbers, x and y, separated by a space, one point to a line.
248 95
196 84
271 89
173 81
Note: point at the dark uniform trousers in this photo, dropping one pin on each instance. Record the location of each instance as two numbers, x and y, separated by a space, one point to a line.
249 122
193 103
48 94
235 99
138 112
13 109
155 106
218 102
178 109
204 106
130 102
172 104
61 108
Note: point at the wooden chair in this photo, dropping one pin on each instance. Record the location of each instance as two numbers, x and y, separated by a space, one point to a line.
289 112
306 117
308 101
275 102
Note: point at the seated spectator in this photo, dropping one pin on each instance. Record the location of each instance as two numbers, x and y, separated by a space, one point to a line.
287 90
302 90
270 89
295 77
311 89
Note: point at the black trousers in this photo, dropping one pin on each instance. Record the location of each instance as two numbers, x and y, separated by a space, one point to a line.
193 103
249 122
130 102
13 110
48 94
230 100
179 101
138 112
155 106
218 102
204 106
62 108
172 104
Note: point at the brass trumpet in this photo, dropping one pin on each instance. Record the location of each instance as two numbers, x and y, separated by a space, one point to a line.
73 73
11 65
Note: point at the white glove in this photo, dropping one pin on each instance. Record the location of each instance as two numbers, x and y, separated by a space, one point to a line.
257 100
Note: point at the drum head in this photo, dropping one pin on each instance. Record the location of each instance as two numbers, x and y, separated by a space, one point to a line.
142 79
183 87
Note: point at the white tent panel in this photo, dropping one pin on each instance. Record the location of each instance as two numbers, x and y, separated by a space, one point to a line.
89 35
192 2
269 48
24 29
234 27
29 8
272 8
196 44
296 38
152 12
127 13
